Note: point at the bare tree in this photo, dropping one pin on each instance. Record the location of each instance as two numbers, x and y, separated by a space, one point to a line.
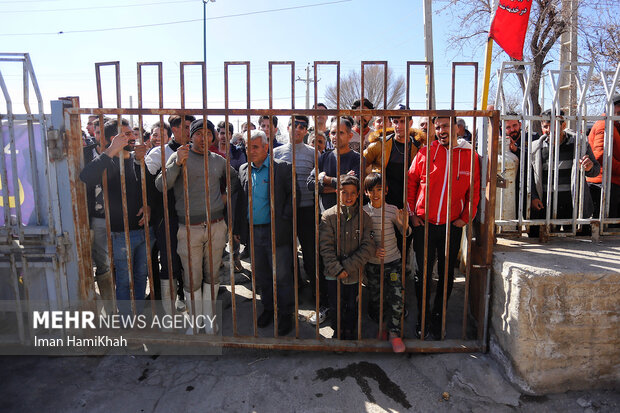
598 33
351 88
546 26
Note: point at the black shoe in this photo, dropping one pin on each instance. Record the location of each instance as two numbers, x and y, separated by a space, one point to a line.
264 319
435 326
418 330
348 335
245 254
285 325
373 313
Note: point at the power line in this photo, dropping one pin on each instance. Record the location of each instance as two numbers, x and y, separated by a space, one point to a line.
27 1
175 22
98 7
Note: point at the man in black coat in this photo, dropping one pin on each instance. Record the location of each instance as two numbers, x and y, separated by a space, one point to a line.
257 148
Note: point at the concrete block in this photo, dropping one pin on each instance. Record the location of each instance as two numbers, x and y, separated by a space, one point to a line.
555 313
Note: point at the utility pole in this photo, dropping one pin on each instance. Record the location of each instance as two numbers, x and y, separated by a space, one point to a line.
428 52
204 36
131 107
308 81
568 59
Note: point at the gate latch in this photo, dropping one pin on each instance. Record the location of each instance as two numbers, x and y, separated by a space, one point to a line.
55 145
501 181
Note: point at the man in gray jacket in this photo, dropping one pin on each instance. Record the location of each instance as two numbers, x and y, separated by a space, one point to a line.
204 266
568 175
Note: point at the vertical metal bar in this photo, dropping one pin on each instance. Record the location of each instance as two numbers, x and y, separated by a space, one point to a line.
16 196
294 192
43 131
446 275
3 169
229 204
471 188
472 170
146 211
383 183
124 205
16 183
403 258
316 193
425 268
429 105
338 207
14 278
27 287
56 267
316 211
581 111
33 170
361 220
229 197
186 203
607 145
382 241
30 128
487 233
212 276
272 202
251 201
104 177
361 213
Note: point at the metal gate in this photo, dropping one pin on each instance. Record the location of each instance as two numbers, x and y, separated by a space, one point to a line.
579 119
467 320
37 259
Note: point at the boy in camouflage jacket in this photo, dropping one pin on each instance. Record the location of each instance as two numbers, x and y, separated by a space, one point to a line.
345 265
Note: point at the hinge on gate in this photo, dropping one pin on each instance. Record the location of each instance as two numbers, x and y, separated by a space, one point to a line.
501 181
55 140
63 246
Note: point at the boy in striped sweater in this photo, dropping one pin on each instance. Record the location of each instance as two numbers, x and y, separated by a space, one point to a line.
390 255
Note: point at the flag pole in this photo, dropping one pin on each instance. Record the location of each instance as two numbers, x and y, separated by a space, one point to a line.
487 74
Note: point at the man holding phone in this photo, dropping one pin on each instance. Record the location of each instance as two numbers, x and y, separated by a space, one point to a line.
120 146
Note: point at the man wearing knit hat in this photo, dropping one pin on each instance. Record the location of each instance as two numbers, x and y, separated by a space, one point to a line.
201 289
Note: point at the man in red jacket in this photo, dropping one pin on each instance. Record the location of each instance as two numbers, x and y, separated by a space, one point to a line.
596 139
438 214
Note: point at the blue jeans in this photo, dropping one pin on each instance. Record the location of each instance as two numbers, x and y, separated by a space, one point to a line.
99 245
138 250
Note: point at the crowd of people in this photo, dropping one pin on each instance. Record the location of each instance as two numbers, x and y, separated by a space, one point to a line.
355 165
574 195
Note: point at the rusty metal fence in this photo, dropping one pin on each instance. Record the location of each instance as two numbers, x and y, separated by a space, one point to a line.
463 324
478 251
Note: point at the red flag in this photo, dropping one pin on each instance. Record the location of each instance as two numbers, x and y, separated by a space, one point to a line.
509 26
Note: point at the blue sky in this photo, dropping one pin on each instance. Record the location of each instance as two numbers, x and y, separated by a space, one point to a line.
348 31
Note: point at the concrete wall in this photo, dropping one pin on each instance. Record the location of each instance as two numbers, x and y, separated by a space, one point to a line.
555 313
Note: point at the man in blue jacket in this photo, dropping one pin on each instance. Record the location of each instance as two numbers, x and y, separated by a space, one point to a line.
257 169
